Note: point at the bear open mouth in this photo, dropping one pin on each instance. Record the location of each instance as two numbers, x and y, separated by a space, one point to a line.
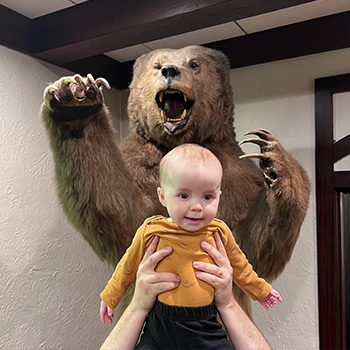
175 109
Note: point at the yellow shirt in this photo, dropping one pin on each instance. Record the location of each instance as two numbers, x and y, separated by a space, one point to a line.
186 249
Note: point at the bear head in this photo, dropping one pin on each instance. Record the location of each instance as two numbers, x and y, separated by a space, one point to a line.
182 95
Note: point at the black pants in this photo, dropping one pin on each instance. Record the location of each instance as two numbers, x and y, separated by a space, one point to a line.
183 328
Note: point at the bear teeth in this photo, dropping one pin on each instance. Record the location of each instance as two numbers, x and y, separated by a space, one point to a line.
183 115
161 94
166 119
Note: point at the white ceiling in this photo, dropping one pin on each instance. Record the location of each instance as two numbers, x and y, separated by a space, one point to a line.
311 10
37 8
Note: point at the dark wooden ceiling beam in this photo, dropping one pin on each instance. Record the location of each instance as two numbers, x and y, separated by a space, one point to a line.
118 75
299 39
95 27
16 30
295 40
75 38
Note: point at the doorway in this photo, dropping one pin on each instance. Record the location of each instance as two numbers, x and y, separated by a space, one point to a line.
333 215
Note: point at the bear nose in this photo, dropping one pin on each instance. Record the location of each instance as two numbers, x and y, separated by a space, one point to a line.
170 72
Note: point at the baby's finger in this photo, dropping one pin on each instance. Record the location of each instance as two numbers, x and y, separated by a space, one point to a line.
265 306
276 295
110 313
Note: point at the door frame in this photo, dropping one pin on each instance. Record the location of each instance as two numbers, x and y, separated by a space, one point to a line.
329 183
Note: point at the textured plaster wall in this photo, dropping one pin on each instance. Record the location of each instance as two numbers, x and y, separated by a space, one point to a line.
49 277
279 97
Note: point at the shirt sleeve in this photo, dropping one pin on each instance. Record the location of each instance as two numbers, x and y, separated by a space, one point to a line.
243 274
125 272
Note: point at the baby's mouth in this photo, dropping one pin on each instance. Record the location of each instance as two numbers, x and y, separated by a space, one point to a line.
194 219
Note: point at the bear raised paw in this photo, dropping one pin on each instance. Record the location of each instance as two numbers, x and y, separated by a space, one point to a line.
176 96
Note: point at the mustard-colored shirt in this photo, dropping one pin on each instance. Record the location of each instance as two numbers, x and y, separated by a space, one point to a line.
186 249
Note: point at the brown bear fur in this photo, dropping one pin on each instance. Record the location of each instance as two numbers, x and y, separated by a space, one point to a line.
107 191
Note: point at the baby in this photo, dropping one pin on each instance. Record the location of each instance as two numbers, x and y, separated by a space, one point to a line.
190 182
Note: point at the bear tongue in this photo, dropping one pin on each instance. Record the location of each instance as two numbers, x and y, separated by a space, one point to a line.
173 125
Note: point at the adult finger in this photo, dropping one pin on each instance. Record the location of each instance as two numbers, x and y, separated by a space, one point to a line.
152 257
151 249
219 245
217 254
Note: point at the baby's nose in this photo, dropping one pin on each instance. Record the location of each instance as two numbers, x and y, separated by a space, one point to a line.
197 206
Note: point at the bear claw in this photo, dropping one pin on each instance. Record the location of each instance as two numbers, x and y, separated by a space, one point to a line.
75 97
267 143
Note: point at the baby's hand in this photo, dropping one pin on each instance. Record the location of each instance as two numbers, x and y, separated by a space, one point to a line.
271 300
106 313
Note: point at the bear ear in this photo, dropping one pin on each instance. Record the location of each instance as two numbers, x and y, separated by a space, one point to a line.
219 56
139 61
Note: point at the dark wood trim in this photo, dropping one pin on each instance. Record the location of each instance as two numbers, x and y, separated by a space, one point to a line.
15 30
118 75
95 27
78 36
341 180
341 148
331 292
300 39
295 40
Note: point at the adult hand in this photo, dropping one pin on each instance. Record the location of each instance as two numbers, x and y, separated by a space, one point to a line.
150 283
242 332
219 276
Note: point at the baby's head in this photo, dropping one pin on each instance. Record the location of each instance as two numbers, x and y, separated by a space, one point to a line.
190 181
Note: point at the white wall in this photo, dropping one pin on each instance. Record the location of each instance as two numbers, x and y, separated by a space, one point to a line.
279 97
51 279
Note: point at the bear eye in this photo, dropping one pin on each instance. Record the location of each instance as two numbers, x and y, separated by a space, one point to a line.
157 66
194 65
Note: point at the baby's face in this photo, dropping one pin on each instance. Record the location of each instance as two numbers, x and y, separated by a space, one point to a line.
191 195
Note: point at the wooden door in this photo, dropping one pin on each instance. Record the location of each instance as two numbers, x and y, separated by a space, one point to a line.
332 188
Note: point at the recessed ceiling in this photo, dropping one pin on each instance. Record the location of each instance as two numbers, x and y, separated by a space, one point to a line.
107 35
234 29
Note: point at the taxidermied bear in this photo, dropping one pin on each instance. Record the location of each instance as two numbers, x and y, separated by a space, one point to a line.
176 96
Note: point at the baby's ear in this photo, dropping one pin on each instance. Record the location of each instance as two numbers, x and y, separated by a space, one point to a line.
161 195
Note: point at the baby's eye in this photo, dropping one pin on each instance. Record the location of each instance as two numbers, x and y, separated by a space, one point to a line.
208 197
183 195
